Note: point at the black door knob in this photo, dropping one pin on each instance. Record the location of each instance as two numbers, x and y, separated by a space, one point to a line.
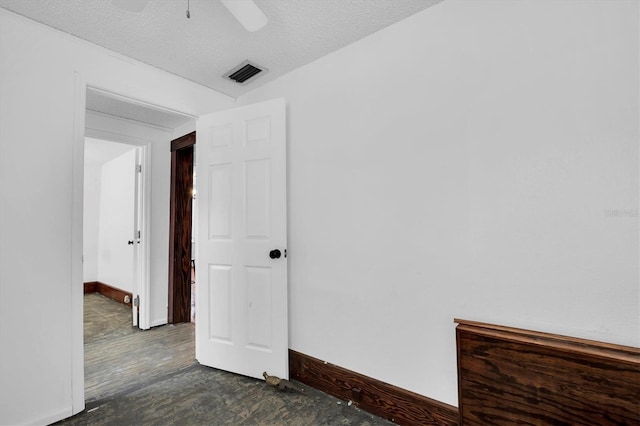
275 254
130 242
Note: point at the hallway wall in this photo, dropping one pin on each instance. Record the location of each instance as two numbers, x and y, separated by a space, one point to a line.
90 220
117 207
96 154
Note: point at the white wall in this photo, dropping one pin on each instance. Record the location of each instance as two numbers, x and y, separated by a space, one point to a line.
467 162
91 221
117 210
42 78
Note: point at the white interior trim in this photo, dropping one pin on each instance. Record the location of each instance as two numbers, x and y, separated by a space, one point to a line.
138 102
77 231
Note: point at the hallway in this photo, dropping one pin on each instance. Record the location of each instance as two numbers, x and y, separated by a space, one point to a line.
151 377
119 357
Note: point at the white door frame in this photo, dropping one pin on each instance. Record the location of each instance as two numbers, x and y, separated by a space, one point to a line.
77 188
77 205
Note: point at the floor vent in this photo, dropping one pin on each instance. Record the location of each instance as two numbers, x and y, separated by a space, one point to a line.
244 72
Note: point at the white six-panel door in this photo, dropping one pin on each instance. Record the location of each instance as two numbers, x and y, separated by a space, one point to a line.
241 290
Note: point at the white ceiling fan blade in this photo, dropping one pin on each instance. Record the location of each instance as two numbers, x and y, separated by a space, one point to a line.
247 13
130 5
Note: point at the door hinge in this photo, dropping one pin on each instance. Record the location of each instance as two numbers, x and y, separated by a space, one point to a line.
139 168
136 301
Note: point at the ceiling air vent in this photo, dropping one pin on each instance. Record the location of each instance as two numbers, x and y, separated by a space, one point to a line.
245 72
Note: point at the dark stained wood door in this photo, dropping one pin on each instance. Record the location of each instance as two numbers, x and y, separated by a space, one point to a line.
181 198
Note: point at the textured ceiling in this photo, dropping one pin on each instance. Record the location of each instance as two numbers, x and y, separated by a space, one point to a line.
212 42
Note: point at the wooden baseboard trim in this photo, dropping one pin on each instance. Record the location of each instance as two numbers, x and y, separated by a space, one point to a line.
90 287
107 291
382 399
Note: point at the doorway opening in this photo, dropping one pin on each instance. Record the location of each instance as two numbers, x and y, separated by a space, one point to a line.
112 212
118 354
182 278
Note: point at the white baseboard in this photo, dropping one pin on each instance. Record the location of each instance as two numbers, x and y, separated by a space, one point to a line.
158 322
50 418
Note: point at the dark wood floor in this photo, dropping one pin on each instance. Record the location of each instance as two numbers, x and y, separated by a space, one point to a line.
151 377
118 356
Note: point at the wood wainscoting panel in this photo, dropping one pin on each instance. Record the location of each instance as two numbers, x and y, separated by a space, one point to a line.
382 399
512 376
